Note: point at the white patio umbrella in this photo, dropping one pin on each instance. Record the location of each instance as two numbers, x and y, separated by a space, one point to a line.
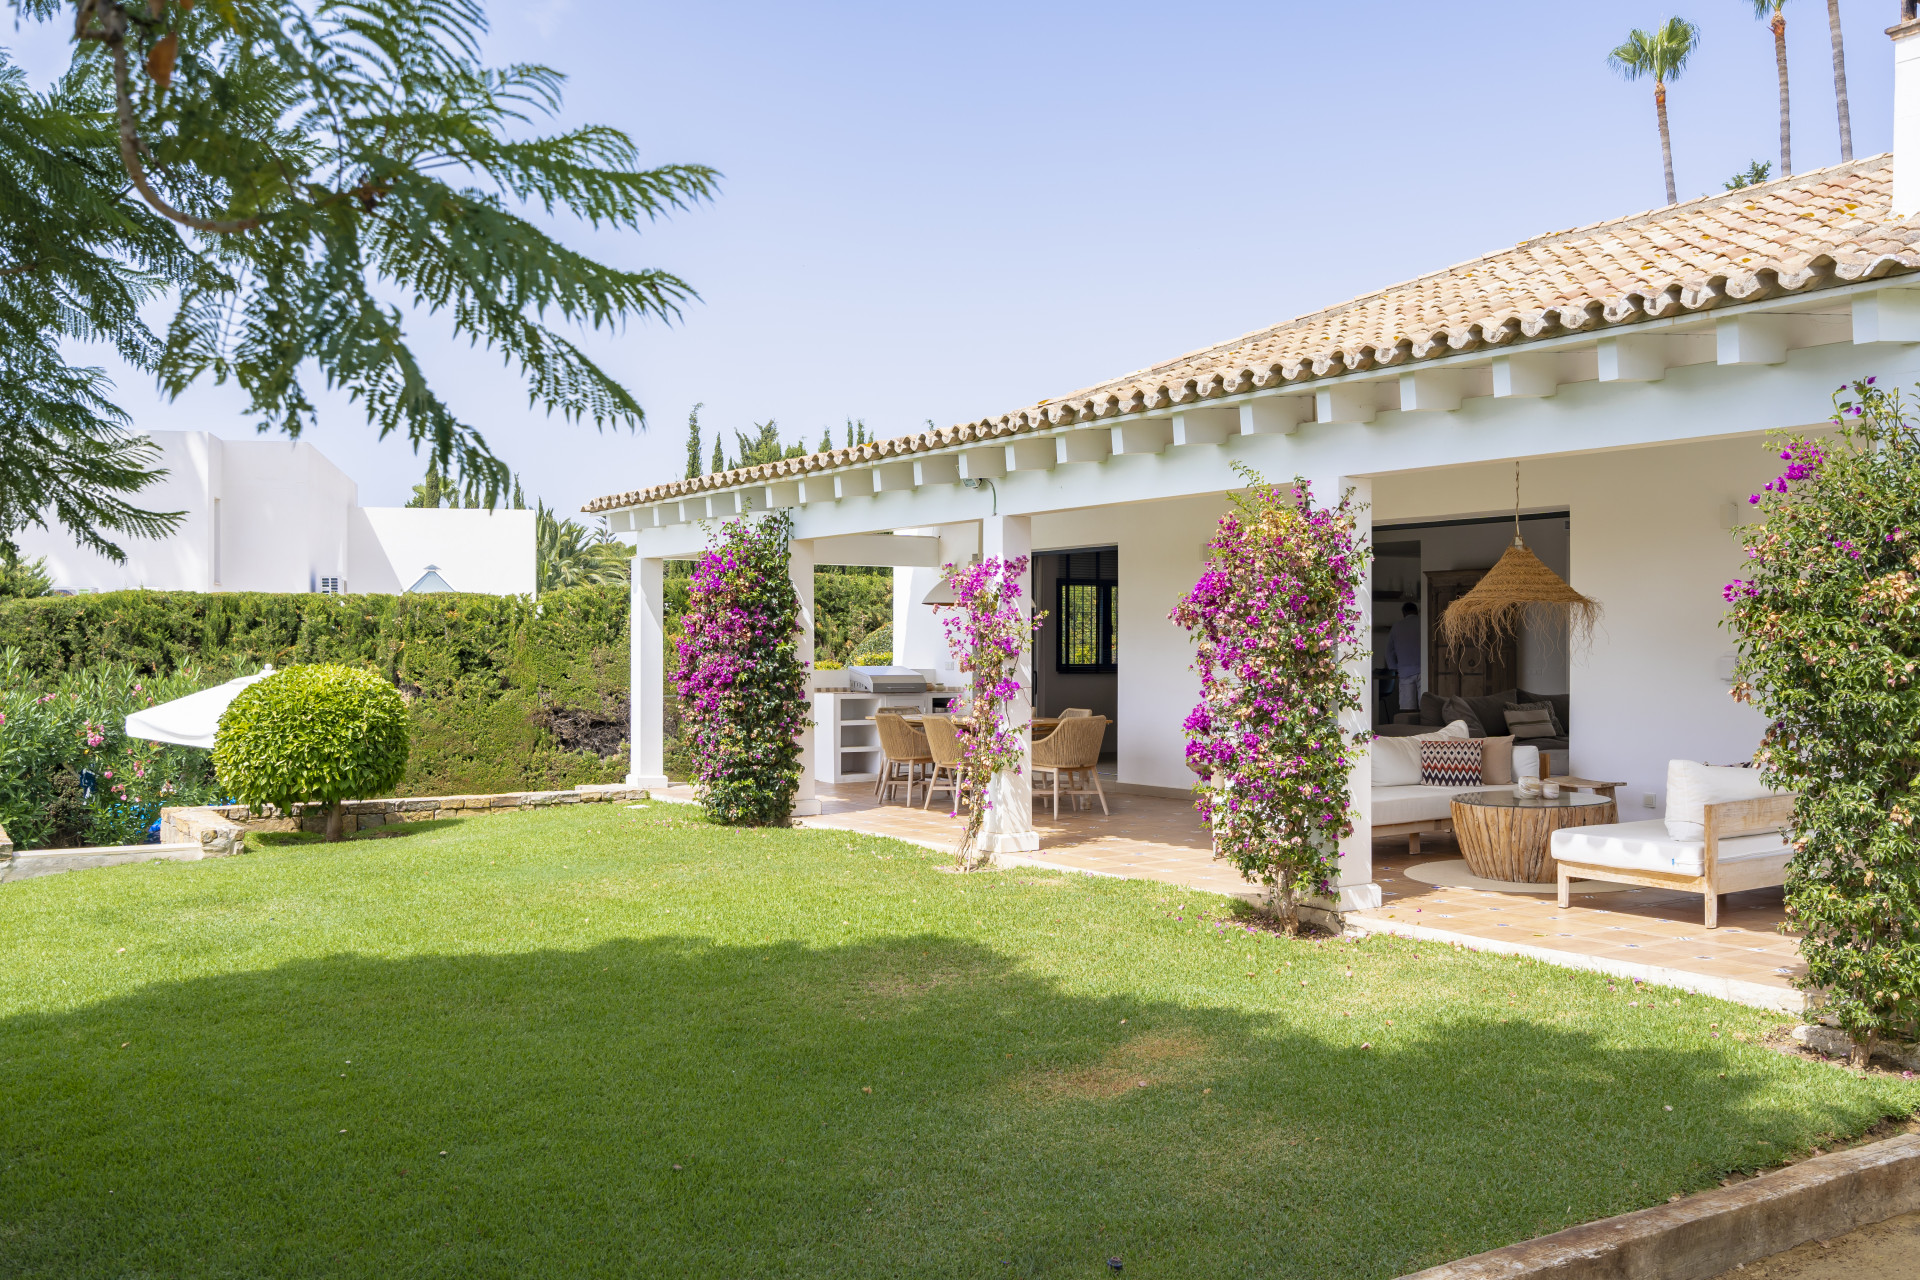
190 721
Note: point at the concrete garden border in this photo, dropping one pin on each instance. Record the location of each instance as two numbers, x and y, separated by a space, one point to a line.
1704 1235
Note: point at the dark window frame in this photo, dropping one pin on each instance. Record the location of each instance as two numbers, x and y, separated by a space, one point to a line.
1106 626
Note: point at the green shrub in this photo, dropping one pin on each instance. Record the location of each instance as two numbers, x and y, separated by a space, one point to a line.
53 730
319 734
1829 637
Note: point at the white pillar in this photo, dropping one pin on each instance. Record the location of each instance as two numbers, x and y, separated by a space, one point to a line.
1906 117
806 799
1008 827
647 679
1356 889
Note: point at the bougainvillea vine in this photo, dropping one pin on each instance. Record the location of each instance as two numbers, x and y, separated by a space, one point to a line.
1272 620
1828 626
742 687
988 628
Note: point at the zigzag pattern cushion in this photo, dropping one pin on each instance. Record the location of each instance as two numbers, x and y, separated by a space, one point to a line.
1450 762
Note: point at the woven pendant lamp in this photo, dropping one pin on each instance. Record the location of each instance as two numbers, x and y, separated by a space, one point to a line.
1516 590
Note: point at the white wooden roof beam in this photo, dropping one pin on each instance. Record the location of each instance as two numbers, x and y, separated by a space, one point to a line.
1036 453
1751 339
1205 426
1146 435
1275 415
893 477
880 550
1083 446
1530 374
1887 315
983 464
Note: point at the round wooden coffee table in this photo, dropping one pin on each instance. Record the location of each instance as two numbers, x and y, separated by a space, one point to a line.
1505 837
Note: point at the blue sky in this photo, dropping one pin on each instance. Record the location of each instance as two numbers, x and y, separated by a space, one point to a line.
947 212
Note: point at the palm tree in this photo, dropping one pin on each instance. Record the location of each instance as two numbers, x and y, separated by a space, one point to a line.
1840 80
568 554
1770 11
1661 53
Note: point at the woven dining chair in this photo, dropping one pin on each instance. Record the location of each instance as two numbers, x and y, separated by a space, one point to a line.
1072 750
904 756
944 744
1073 713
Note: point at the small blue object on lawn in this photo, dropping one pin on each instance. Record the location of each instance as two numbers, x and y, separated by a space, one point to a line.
153 832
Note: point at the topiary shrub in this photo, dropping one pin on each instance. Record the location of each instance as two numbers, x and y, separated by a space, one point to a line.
315 734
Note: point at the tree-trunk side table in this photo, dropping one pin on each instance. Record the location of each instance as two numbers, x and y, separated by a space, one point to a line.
1506 837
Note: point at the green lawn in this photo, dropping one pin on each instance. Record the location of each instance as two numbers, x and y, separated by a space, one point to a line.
604 1041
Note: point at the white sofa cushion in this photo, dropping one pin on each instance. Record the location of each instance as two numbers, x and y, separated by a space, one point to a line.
1394 805
1396 761
1646 846
1692 786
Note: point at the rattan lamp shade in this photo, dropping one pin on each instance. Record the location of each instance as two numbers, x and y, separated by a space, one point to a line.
1515 590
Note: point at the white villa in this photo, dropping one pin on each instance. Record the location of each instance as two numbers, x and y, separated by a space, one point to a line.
1633 368
278 515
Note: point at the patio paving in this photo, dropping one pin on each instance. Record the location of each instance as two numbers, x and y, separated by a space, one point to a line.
1648 934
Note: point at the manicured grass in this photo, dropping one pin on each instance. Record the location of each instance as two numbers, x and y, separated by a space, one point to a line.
604 1041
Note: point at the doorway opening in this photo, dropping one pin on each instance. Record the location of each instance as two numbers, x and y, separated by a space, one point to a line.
1076 651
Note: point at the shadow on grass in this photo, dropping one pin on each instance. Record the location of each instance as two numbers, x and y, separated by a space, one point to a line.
392 831
918 1106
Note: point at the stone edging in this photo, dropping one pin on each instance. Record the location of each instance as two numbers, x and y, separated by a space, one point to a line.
367 814
1757 995
1703 1235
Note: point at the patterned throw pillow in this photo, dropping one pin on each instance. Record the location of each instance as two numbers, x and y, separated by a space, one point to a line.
1450 762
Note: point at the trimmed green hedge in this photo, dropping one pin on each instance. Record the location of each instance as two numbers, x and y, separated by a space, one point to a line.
505 694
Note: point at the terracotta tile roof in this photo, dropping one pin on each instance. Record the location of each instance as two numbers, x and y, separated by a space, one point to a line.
1811 231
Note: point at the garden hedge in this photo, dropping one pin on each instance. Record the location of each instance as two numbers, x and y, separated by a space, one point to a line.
505 694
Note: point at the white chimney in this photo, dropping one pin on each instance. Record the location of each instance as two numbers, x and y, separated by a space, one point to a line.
1906 111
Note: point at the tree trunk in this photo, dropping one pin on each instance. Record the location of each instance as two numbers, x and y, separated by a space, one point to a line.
336 821
1780 61
1666 141
1840 80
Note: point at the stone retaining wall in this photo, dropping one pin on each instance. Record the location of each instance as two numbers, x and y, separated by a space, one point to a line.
367 814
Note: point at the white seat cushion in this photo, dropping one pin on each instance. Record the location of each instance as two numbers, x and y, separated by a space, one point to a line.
1394 805
1396 761
1646 846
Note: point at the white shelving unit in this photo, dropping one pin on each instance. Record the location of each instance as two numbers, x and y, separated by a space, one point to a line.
846 741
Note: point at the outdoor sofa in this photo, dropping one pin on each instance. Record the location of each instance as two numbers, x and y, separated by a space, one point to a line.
1405 806
1485 716
1725 831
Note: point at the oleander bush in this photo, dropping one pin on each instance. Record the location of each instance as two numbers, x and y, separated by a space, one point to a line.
1828 627
317 734
69 775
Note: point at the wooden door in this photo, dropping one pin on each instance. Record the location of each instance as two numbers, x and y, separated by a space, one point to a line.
1467 672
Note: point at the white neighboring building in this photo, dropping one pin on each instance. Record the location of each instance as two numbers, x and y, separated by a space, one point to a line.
276 515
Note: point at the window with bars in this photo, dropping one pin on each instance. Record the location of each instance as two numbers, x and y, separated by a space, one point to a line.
1087 612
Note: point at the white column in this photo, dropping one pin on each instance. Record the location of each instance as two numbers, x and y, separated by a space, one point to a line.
1008 827
806 801
1356 889
647 680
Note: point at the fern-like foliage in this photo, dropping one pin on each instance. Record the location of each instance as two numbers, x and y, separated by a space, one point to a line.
340 164
77 262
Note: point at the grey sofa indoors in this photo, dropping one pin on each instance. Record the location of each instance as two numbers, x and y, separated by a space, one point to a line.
1487 720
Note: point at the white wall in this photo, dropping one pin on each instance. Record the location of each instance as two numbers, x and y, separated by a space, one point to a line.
183 561
276 515
485 551
1650 541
